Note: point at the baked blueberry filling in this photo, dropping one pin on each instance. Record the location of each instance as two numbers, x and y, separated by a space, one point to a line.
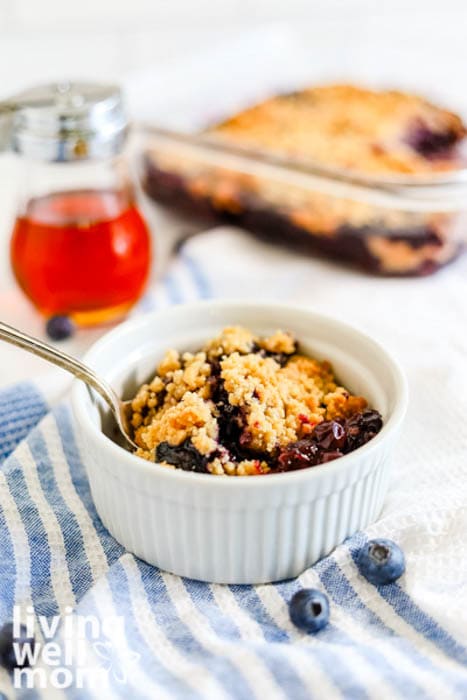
361 428
245 405
330 440
429 143
184 456
234 436
349 242
229 420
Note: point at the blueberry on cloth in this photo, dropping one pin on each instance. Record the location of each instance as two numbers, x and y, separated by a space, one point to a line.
381 561
7 652
309 610
59 327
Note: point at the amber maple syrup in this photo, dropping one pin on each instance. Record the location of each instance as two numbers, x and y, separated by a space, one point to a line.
84 253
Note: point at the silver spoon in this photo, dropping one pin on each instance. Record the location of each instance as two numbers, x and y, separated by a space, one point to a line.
81 371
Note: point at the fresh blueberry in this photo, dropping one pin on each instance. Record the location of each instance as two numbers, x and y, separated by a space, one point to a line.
309 610
7 652
59 327
381 561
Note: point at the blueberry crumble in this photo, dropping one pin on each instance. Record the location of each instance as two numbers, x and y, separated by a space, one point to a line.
354 128
246 405
385 133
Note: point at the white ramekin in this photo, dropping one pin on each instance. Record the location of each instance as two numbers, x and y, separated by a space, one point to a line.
236 529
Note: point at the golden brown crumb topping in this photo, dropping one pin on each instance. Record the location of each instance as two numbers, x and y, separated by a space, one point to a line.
352 128
232 406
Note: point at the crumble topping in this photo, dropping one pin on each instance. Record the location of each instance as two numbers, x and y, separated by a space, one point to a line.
232 339
279 342
237 406
353 128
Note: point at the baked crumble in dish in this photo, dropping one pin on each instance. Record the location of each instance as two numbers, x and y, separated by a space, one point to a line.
248 405
353 128
357 130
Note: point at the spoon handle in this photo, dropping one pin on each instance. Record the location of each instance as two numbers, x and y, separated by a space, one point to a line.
61 359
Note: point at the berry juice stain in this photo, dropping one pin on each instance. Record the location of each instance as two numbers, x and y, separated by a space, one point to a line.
83 253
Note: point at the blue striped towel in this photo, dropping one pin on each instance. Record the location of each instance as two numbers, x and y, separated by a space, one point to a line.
137 632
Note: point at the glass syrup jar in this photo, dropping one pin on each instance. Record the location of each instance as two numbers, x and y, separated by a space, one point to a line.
79 246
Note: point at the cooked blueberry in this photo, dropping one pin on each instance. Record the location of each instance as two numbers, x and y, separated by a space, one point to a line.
230 426
7 652
381 561
309 610
229 419
431 143
330 435
215 370
298 455
184 456
361 428
371 421
59 327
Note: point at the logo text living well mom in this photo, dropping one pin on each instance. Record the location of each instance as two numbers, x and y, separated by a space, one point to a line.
69 650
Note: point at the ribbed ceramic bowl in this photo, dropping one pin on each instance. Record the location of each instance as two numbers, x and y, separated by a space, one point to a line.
247 529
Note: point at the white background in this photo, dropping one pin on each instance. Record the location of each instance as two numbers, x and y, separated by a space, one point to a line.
43 39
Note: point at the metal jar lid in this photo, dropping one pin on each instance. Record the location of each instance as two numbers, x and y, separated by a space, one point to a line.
65 122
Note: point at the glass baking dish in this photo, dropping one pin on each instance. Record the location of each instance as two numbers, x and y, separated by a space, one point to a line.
390 227
386 225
